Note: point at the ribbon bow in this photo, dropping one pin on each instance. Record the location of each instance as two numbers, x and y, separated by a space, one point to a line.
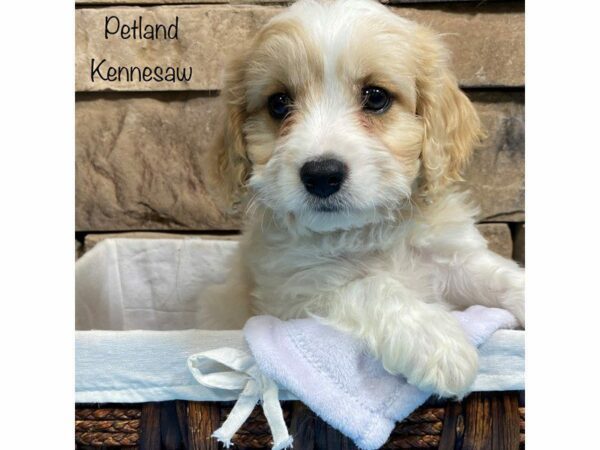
235 370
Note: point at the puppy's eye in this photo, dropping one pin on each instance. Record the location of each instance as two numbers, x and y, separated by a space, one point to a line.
375 99
279 105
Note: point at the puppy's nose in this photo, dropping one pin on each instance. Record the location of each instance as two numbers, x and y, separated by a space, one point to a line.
323 177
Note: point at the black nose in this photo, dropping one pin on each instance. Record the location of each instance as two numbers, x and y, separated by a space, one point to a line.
323 177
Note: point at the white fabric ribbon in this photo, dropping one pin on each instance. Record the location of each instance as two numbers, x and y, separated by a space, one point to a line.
235 370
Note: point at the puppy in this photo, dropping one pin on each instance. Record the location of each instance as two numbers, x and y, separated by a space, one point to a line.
346 134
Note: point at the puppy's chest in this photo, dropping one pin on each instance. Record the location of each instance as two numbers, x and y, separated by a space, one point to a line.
292 276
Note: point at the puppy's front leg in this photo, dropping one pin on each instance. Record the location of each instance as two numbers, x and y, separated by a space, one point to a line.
421 341
480 276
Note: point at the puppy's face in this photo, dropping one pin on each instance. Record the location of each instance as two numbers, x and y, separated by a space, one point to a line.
339 111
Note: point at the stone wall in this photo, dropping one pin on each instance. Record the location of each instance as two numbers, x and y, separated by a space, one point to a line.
140 146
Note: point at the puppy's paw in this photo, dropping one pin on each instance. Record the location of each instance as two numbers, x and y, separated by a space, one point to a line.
444 365
516 305
513 299
448 372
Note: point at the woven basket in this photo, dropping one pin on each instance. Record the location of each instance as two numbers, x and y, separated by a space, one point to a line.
490 420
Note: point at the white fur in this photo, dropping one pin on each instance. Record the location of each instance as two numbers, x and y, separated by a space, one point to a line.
387 266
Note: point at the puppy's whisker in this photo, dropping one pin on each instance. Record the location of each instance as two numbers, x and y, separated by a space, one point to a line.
252 205
262 220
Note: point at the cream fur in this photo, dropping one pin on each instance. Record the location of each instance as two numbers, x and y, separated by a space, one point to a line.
402 249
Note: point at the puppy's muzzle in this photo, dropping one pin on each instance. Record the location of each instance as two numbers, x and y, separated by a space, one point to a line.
323 177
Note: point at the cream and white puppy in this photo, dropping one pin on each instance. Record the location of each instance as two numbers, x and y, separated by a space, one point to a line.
347 134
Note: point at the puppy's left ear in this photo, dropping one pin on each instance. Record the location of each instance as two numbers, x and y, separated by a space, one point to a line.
451 125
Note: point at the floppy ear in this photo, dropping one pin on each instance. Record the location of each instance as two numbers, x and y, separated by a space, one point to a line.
230 155
451 125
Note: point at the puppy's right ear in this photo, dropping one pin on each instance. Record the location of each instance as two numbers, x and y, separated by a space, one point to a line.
231 157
